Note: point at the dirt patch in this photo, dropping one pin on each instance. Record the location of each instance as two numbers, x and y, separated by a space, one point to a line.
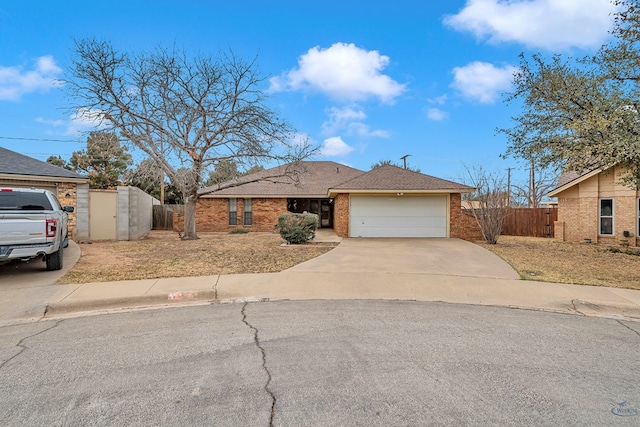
163 254
547 260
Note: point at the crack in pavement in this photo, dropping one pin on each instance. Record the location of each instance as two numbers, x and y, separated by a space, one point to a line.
215 289
24 347
629 328
256 340
575 308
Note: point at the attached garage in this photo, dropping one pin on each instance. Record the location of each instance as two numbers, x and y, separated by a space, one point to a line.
398 216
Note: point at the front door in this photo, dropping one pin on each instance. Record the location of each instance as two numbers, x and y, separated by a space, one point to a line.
326 214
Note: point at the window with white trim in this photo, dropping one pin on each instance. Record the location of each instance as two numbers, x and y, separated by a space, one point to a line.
606 217
248 214
233 211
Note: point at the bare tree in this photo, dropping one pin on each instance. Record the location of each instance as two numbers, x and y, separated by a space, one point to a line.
532 192
488 202
185 113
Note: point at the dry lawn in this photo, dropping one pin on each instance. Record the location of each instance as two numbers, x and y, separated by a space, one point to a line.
587 264
162 254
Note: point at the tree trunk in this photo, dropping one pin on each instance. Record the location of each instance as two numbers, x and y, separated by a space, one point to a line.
190 218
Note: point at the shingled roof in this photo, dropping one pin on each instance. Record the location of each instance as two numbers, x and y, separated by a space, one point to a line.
317 179
313 179
393 178
12 163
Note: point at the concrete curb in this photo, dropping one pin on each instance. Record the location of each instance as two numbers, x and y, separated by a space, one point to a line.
627 312
59 308
590 309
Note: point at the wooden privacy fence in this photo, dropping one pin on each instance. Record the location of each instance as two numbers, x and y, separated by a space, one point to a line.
163 216
532 222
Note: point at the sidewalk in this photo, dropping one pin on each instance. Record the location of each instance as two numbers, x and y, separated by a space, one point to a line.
356 269
289 285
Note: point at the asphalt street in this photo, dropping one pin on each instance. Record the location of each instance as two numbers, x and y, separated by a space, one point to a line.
321 363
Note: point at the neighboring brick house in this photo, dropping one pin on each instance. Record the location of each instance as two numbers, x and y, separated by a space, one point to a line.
596 206
385 202
18 170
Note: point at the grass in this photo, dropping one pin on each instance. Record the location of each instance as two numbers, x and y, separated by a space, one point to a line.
547 260
163 254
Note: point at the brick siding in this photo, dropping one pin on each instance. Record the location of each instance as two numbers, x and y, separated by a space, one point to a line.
341 215
212 215
462 224
64 189
578 210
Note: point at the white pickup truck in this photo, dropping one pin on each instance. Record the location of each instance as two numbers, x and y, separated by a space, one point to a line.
32 225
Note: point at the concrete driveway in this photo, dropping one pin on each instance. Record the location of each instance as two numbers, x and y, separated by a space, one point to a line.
446 257
405 269
25 287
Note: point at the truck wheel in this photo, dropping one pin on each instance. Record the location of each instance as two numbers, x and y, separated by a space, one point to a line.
54 260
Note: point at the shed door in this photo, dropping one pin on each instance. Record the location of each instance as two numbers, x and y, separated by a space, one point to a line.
400 216
103 212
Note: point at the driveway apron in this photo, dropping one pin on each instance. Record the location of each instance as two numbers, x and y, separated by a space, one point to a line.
446 257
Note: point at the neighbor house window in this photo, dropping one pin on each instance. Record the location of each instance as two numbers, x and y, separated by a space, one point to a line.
248 215
233 212
606 216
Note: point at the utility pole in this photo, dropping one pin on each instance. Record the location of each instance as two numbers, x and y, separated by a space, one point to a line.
404 158
161 173
509 187
532 186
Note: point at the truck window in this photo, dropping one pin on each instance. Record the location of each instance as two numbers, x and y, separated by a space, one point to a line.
25 201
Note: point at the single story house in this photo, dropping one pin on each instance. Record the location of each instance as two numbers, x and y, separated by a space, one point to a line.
596 206
72 189
387 201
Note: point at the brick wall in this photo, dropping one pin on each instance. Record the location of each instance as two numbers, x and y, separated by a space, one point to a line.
67 196
578 209
212 215
341 215
463 225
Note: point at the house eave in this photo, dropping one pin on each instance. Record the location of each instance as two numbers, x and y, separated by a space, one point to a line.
334 191
555 192
43 178
263 196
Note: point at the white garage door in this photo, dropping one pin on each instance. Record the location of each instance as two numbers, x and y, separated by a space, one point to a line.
398 216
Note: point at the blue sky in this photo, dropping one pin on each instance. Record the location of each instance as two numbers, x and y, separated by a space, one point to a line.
364 80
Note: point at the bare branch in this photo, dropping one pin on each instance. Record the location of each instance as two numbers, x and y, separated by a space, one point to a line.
186 113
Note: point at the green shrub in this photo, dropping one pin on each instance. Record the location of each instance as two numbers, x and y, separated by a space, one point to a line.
239 231
298 228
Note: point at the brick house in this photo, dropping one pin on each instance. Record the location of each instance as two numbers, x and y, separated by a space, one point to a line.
18 170
385 202
596 206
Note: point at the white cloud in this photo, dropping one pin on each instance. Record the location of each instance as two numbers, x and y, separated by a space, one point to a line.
16 82
548 24
343 72
437 115
334 147
339 119
85 120
482 81
301 140
350 119
440 100
364 130
50 122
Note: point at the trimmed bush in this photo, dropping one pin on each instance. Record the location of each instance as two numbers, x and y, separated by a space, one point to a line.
298 228
239 231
